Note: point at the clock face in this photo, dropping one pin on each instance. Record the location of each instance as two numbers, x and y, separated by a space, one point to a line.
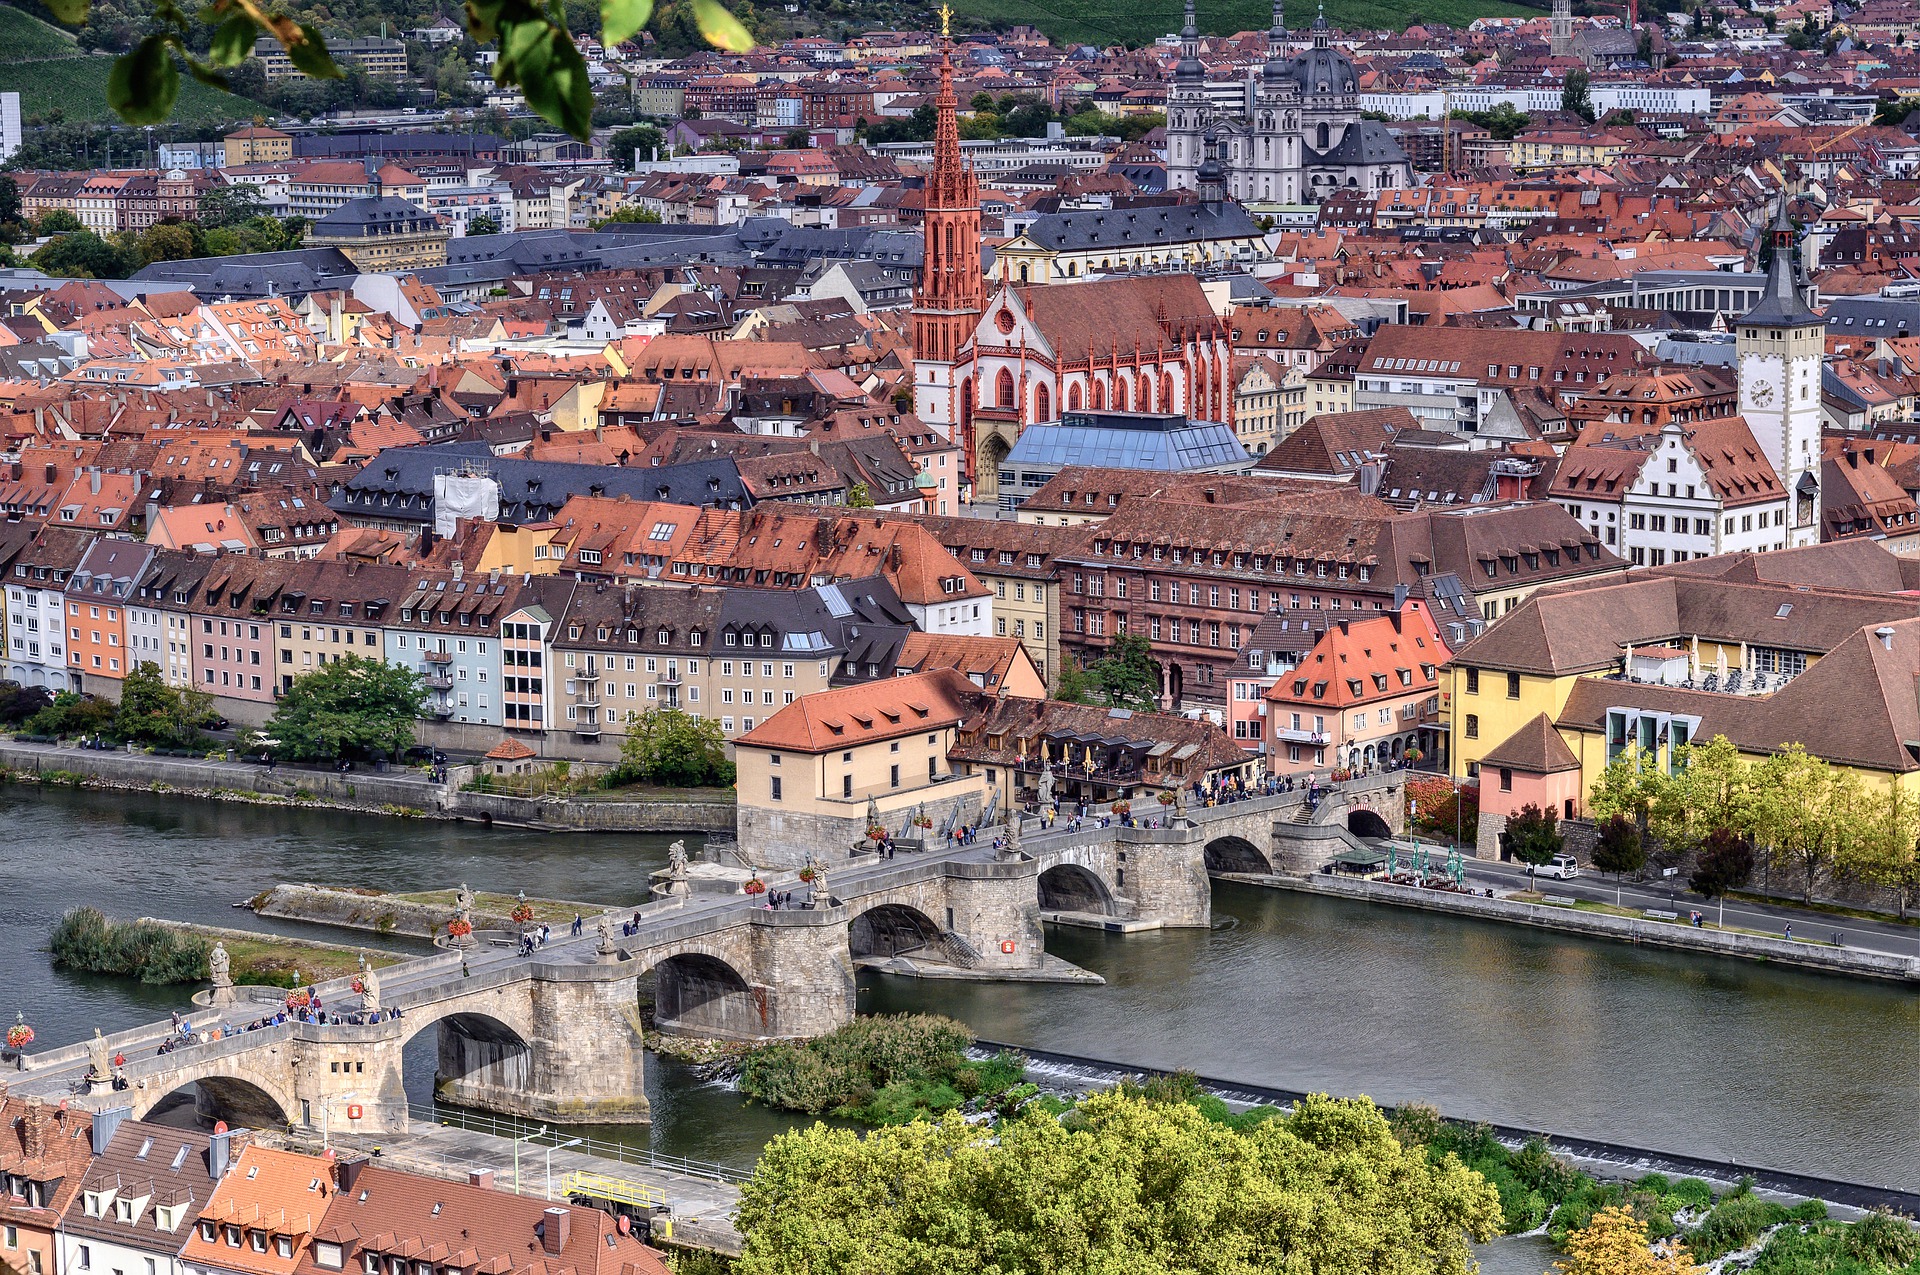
1762 393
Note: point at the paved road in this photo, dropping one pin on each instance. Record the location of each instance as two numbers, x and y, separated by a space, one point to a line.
1672 896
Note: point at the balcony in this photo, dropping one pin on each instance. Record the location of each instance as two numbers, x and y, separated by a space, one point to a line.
669 678
441 708
438 657
438 682
584 675
586 730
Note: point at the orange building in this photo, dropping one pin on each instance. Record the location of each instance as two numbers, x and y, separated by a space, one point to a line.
97 610
44 1153
262 1214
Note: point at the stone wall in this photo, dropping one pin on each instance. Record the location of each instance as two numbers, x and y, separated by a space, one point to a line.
593 816
779 838
1603 925
1166 874
379 913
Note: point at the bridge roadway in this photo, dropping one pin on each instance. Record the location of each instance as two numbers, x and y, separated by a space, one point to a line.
558 1036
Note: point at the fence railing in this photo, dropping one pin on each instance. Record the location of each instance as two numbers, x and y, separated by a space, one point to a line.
515 1127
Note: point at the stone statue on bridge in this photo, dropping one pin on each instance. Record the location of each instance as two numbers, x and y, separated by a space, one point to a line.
220 970
821 899
463 903
605 948
1046 783
677 885
369 988
99 1060
1011 850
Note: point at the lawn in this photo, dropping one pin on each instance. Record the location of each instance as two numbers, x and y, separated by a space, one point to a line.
51 73
1097 22
273 960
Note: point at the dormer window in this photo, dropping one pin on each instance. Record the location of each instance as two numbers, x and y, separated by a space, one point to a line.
259 1240
283 1245
233 1237
370 1262
207 1231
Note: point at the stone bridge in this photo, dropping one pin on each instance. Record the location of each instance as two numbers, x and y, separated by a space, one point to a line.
558 1037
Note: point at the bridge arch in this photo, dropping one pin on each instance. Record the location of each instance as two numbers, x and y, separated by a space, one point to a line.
250 1102
1362 822
892 929
1236 854
700 994
1070 887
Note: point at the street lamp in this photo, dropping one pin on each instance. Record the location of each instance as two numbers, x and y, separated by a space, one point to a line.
525 1137
560 1146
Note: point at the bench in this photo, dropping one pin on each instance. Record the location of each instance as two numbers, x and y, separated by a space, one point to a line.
1559 900
1661 914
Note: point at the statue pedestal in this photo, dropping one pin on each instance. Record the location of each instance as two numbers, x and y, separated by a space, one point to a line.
97 1087
222 995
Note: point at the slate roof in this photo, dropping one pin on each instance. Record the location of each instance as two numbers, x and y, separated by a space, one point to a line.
1141 227
398 483
1364 142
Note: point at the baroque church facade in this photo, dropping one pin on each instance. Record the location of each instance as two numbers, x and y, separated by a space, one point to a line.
1300 137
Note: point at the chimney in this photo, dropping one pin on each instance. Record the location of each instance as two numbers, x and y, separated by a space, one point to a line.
93 482
33 1126
482 1178
106 1124
347 1172
553 1230
220 1155
53 471
1885 634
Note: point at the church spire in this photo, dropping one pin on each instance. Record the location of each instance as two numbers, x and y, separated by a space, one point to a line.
1188 69
952 292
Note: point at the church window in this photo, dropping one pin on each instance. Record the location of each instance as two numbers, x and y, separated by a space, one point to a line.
1073 398
1042 404
1003 394
1325 135
1120 394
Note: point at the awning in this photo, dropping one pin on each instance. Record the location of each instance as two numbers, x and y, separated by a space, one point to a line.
1360 858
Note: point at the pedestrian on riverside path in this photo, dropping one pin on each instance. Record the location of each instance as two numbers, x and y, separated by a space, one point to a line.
1789 931
578 924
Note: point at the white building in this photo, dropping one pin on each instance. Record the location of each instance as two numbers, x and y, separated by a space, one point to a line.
1624 95
10 134
1782 345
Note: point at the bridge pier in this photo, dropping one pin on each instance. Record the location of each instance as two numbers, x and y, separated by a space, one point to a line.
802 972
340 1070
588 1063
1163 871
994 909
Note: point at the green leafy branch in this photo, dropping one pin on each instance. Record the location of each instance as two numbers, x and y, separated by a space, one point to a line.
537 52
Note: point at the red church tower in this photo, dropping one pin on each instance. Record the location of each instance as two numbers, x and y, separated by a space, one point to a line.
952 293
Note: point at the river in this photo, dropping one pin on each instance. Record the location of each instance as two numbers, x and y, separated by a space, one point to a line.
1757 1064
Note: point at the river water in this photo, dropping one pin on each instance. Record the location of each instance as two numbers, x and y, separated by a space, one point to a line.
1659 1049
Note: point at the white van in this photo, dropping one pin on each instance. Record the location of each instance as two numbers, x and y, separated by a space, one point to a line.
1561 866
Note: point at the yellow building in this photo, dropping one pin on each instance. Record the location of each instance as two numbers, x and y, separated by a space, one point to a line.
375 55
1074 244
1564 148
1257 390
257 144
813 774
1656 661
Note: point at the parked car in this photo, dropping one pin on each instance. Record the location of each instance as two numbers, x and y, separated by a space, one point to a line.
1561 866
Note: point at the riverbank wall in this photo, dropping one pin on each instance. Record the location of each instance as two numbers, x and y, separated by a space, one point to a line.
380 913
404 794
1848 961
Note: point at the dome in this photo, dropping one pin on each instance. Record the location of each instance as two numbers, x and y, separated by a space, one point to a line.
1323 72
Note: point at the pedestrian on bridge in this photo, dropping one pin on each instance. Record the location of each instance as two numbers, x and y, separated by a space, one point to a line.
578 925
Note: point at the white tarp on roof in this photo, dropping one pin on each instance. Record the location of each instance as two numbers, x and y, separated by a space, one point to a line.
457 496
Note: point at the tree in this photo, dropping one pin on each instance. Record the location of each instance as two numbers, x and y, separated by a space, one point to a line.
858 497
9 200
1124 1183
167 241
1887 850
1575 95
643 139
1075 685
537 52
797 139
152 712
1803 813
1619 850
1723 862
57 221
18 703
82 254
71 713
231 205
1127 676
1533 835
1614 1242
631 215
351 706
1711 789
667 746
1629 787
1504 121
483 225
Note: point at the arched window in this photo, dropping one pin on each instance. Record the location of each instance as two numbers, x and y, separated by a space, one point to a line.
1073 397
1166 392
1325 137
1119 393
1023 272
1003 393
1042 404
1146 392
1099 393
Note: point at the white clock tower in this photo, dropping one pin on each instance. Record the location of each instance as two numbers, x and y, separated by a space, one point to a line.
1782 345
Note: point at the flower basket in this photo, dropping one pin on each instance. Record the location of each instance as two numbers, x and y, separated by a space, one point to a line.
876 832
19 1036
1414 754
923 822
522 913
808 874
359 986
299 998
459 928
1166 799
755 886
1121 809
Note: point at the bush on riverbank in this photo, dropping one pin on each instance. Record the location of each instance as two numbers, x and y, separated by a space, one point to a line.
86 940
882 1071
1878 1244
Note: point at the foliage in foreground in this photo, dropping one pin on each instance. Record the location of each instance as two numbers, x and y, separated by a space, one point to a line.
883 1071
1615 1243
351 706
86 940
1122 1183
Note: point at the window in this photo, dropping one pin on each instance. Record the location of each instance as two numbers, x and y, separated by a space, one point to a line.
1473 725
1473 681
1513 686
774 788
1506 779
893 776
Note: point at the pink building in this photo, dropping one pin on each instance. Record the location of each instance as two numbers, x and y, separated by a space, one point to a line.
1532 767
